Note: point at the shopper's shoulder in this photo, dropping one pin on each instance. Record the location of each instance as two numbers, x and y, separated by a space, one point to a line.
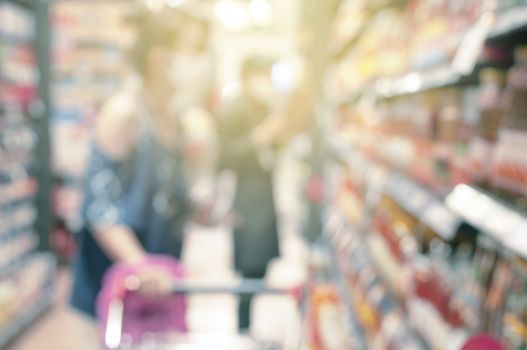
118 125
121 107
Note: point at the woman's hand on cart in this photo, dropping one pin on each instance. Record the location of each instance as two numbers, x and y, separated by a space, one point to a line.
154 281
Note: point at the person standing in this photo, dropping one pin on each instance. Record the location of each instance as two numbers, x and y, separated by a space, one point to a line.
245 133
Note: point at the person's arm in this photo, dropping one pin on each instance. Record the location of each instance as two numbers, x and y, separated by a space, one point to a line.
235 141
116 132
120 243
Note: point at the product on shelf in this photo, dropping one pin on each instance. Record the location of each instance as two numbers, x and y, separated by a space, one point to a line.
514 324
14 249
328 320
490 102
18 73
448 275
509 167
24 295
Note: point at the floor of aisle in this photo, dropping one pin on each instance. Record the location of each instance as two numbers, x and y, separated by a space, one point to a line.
60 328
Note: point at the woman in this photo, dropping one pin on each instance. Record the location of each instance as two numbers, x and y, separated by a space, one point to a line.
135 193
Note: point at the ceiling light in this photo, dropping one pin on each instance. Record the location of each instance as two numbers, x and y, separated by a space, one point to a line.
261 11
232 14
174 3
154 5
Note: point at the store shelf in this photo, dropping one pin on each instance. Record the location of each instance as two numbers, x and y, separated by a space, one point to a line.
514 20
442 335
467 204
9 191
345 296
427 165
14 40
347 293
377 250
416 199
31 312
510 186
18 261
417 81
413 82
21 219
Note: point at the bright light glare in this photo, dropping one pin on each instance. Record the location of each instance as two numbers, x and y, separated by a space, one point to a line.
232 15
413 82
230 89
261 11
383 86
174 3
154 5
283 76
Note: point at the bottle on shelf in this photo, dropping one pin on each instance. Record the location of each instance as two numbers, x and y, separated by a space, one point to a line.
509 163
514 324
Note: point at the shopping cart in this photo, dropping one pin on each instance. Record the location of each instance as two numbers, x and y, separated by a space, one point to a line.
155 325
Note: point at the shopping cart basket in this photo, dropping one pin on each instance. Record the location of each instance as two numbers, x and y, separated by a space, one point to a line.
133 321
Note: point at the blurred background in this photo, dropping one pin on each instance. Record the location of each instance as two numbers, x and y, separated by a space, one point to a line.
370 154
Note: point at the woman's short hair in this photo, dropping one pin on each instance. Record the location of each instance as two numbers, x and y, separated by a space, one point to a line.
153 30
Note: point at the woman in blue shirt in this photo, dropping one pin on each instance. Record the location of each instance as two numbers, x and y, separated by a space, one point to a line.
135 193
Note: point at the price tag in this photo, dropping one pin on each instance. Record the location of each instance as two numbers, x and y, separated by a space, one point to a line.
502 223
487 214
511 21
517 242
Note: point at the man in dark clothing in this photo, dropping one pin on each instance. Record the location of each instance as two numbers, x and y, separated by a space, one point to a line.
245 130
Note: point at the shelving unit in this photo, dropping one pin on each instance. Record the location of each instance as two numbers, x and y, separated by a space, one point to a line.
357 273
26 270
87 66
33 277
408 188
510 22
